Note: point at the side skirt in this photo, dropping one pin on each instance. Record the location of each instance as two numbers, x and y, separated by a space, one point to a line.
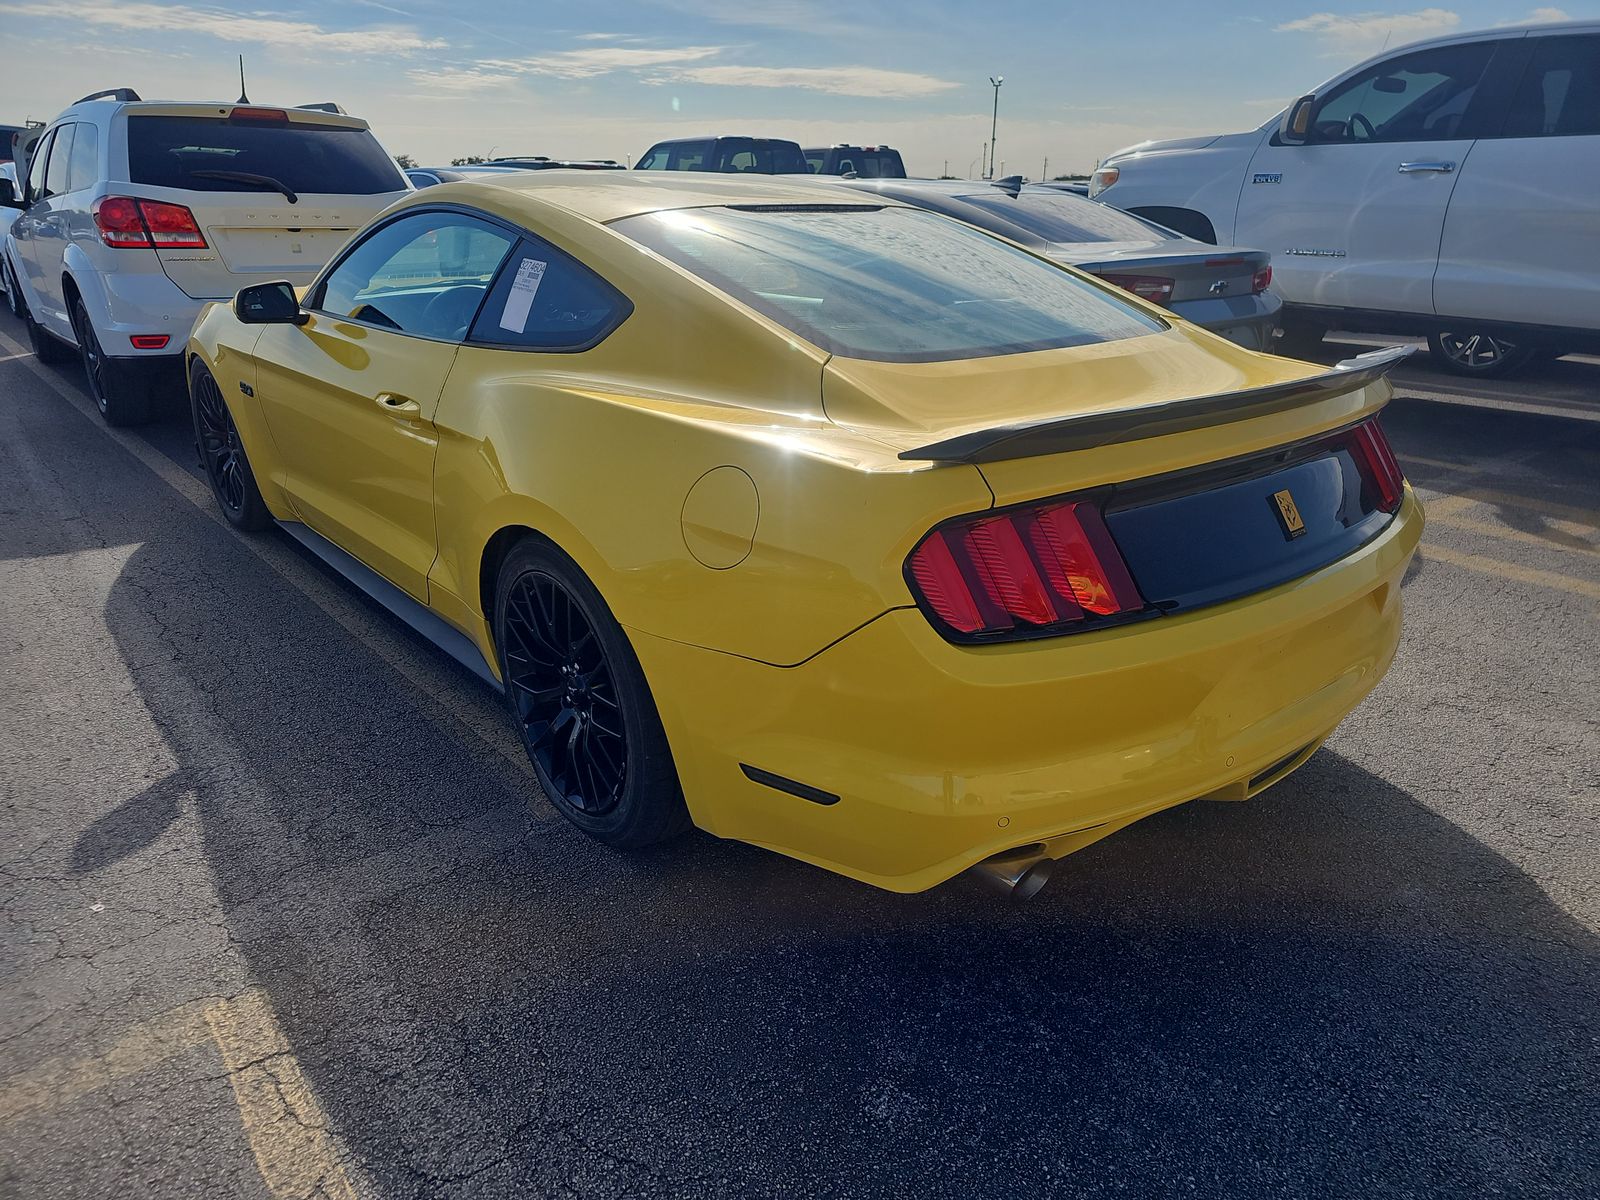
438 631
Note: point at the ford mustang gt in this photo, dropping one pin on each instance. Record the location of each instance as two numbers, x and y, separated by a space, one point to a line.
842 528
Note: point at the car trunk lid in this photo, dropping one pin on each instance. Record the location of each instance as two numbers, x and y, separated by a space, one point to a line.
1195 275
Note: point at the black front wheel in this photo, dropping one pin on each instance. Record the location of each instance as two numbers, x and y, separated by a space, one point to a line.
1478 354
581 703
222 454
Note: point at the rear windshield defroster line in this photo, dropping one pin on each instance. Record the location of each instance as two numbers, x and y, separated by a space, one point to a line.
888 284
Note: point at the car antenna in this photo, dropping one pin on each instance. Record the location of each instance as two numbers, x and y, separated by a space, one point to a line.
243 99
1011 184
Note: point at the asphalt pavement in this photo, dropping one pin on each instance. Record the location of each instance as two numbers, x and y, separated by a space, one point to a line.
283 915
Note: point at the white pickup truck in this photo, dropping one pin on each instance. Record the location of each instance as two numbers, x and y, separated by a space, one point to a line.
1449 188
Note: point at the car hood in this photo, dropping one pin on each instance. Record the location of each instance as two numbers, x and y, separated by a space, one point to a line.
1168 145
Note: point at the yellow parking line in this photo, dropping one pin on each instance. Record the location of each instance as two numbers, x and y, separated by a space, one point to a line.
1506 570
286 1127
1567 539
65 1079
1438 463
1549 508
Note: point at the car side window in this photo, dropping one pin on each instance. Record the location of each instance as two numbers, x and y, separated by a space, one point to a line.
1419 97
691 156
655 159
1559 95
36 166
545 299
423 274
84 168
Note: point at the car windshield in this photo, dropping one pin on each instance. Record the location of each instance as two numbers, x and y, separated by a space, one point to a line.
189 152
1062 217
891 284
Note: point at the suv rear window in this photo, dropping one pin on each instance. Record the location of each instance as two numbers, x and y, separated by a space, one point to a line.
895 285
316 159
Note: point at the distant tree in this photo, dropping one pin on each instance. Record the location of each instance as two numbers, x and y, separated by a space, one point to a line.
949 177
1071 178
406 161
470 160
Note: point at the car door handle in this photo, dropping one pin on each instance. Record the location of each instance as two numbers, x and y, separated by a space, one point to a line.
1412 168
397 405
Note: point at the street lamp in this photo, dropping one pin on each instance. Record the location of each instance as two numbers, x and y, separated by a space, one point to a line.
994 125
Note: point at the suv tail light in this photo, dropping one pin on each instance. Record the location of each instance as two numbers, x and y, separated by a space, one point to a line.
126 223
1155 288
1029 572
1376 461
1262 280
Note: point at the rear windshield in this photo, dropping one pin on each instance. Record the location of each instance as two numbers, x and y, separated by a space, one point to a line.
1063 217
869 164
892 284
317 159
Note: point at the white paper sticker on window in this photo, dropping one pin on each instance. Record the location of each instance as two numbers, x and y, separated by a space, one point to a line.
519 300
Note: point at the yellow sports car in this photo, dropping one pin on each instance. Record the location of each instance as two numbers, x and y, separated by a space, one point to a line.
827 524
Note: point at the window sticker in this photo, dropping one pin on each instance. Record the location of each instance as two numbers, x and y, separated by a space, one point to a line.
519 300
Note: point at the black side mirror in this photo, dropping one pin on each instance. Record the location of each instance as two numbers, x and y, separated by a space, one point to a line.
1296 126
269 304
8 195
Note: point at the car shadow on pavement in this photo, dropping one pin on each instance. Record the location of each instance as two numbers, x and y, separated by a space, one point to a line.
1330 990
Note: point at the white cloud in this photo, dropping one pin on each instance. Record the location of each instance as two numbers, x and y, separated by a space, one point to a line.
1347 35
602 60
459 81
259 29
839 81
1546 14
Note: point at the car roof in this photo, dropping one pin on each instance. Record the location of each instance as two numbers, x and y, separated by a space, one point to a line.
605 196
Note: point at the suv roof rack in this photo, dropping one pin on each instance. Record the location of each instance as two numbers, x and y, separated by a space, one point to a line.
110 94
327 106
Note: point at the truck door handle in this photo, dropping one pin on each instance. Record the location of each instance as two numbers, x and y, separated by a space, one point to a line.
399 406
1411 168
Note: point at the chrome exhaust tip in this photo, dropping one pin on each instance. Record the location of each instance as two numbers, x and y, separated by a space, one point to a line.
1016 873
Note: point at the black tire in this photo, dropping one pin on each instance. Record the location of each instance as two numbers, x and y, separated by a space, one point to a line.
1478 354
1299 338
581 703
122 400
222 455
46 347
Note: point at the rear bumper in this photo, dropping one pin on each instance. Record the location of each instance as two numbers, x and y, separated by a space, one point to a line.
942 755
121 304
1247 321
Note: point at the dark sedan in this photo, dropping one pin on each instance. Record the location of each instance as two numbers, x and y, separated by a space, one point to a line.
1221 288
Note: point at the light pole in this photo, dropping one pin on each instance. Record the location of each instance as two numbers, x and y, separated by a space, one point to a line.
994 125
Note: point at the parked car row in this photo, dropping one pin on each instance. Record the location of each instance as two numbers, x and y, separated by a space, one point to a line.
771 156
1447 189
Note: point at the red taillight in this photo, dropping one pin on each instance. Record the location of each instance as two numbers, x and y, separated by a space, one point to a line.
117 218
126 223
260 116
172 226
1262 280
1155 288
149 341
1022 573
1377 464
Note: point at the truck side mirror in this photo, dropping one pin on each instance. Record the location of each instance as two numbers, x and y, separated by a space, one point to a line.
1295 129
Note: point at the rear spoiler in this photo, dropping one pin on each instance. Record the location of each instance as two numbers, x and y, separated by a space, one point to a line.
1175 416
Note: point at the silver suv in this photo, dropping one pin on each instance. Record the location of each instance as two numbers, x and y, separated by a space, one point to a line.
135 214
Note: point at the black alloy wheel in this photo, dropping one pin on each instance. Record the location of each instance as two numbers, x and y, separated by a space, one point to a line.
565 696
581 702
1478 354
222 454
122 401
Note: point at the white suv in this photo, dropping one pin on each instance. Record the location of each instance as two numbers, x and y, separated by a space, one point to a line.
135 214
1447 188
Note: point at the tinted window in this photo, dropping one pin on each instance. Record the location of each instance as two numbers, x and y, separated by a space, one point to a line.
878 164
424 274
1560 91
177 152
56 175
1419 97
36 165
816 161
896 284
85 169
547 300
1065 218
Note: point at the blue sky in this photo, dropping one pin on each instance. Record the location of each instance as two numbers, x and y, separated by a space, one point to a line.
606 78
